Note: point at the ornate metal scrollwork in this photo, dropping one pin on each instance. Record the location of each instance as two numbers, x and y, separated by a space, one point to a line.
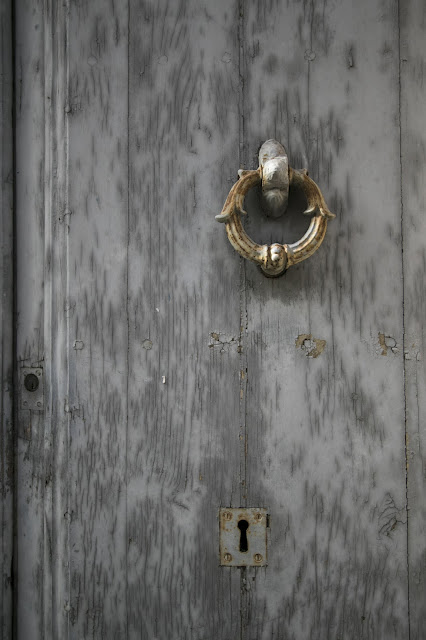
276 176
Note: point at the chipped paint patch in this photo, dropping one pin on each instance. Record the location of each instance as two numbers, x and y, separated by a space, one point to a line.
382 343
223 342
313 347
387 343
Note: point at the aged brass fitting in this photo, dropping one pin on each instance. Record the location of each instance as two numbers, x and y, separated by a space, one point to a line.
276 176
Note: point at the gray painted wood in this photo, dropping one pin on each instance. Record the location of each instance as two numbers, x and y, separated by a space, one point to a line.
183 459
413 149
32 570
6 320
42 512
146 467
325 434
178 378
98 320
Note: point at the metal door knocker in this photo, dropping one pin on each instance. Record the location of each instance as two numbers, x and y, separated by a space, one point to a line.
276 176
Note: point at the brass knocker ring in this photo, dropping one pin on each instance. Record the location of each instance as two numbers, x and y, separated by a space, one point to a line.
275 176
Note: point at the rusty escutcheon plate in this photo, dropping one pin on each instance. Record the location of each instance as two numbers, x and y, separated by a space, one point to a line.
243 534
32 388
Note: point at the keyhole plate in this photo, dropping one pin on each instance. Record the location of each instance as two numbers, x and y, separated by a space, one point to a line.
243 537
32 388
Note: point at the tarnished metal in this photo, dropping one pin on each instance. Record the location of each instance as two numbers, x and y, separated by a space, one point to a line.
32 388
273 161
276 258
243 534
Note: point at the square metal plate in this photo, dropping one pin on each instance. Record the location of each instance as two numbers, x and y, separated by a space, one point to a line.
243 537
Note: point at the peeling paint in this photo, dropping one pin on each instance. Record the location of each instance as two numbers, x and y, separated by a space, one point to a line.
313 347
382 343
387 343
223 341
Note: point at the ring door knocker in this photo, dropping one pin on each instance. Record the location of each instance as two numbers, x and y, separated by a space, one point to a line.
276 176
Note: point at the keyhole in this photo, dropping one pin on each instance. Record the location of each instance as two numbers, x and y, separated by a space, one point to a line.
243 526
31 382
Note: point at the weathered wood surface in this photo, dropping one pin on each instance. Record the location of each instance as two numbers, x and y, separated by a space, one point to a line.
325 420
178 378
183 447
32 569
98 335
413 156
6 319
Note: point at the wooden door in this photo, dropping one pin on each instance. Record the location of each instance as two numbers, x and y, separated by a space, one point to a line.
176 378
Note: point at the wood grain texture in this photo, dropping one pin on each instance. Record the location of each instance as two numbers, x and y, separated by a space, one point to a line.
6 320
41 575
325 434
178 378
97 316
413 155
184 319
30 102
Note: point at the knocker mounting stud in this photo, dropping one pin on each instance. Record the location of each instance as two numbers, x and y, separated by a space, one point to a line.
275 176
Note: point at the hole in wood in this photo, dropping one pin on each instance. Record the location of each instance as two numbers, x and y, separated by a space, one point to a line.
243 525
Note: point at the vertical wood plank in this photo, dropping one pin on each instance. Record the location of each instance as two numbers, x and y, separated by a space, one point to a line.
413 153
30 104
6 319
98 320
56 576
41 583
325 428
184 319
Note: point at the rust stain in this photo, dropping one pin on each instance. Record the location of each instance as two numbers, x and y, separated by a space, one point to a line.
382 342
301 339
387 344
313 347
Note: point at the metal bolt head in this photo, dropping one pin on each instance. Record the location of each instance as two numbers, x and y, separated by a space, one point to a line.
227 557
258 557
258 517
227 515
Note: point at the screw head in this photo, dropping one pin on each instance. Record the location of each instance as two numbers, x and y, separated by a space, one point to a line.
39 404
227 515
227 557
258 557
258 517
